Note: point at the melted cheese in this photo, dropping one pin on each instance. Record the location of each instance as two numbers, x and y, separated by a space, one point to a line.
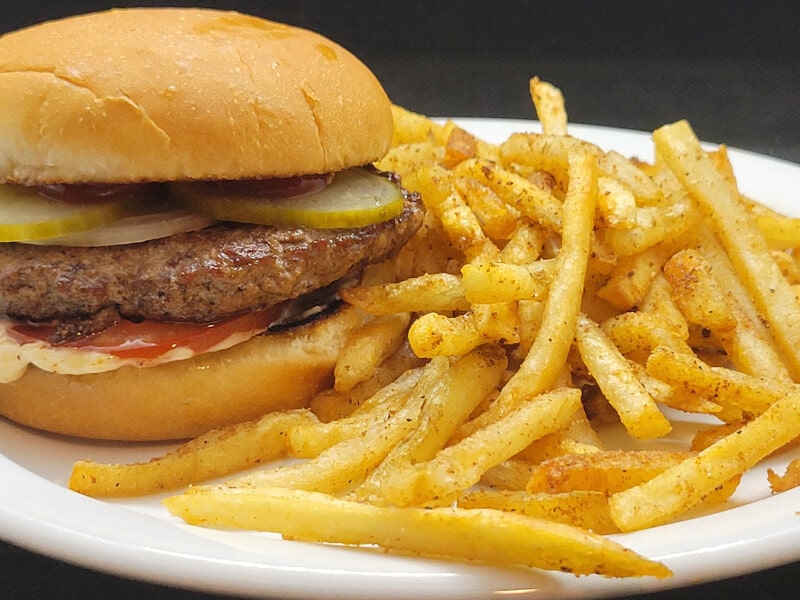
15 358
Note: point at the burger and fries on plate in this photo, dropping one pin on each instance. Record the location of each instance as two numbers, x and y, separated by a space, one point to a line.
395 332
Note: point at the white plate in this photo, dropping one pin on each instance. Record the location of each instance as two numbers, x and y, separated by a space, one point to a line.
138 539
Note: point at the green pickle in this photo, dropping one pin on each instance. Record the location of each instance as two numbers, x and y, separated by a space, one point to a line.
355 198
27 216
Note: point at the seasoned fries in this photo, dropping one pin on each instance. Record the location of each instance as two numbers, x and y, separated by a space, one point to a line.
490 536
216 454
556 290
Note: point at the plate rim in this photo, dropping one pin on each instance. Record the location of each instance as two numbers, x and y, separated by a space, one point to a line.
94 548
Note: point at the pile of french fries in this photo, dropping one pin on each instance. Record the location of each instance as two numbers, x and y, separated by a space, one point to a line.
554 290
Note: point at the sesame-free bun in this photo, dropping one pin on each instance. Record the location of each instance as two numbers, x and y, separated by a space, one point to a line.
173 94
185 398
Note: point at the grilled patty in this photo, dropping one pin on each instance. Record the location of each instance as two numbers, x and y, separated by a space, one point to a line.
200 276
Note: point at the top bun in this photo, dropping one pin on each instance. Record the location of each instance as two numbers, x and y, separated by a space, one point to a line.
175 94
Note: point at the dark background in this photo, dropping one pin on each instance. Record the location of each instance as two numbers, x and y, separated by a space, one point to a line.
731 68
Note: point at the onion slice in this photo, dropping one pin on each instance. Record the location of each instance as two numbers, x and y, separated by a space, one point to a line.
135 228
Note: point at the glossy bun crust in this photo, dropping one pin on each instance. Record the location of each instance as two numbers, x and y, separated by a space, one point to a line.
184 399
173 94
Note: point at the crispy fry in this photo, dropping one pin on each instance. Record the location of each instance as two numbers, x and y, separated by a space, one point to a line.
536 203
461 465
737 231
627 173
434 292
329 404
349 462
486 283
487 535
616 204
608 472
581 508
683 486
447 404
790 479
698 294
311 439
367 348
549 350
496 220
216 454
750 394
549 103
636 408
755 345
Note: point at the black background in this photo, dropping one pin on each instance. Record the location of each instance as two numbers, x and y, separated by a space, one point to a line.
731 68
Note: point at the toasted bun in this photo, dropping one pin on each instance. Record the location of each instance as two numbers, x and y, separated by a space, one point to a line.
185 398
172 94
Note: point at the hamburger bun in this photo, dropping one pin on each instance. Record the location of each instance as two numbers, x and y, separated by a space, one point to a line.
184 95
173 94
185 398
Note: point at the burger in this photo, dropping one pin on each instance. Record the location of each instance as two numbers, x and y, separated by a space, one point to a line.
182 192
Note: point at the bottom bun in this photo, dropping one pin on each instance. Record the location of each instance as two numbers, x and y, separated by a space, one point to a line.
186 398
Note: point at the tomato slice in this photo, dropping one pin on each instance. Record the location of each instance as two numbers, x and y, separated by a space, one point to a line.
151 339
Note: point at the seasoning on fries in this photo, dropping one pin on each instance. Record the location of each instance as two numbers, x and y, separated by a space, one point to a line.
553 287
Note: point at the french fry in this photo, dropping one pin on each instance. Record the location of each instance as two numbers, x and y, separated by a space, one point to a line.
608 472
330 405
367 348
645 190
407 159
581 508
749 394
480 534
616 204
683 486
536 203
447 404
525 246
311 439
550 153
654 225
748 250
549 350
410 127
636 408
461 465
659 301
434 334
549 104
460 146
491 282
511 474
755 345
433 292
495 218
631 331
698 294
215 454
790 479
349 462
633 275
779 231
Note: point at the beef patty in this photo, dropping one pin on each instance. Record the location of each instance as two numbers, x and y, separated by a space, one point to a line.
200 276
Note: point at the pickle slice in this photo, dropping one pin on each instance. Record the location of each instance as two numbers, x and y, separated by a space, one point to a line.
355 198
27 216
